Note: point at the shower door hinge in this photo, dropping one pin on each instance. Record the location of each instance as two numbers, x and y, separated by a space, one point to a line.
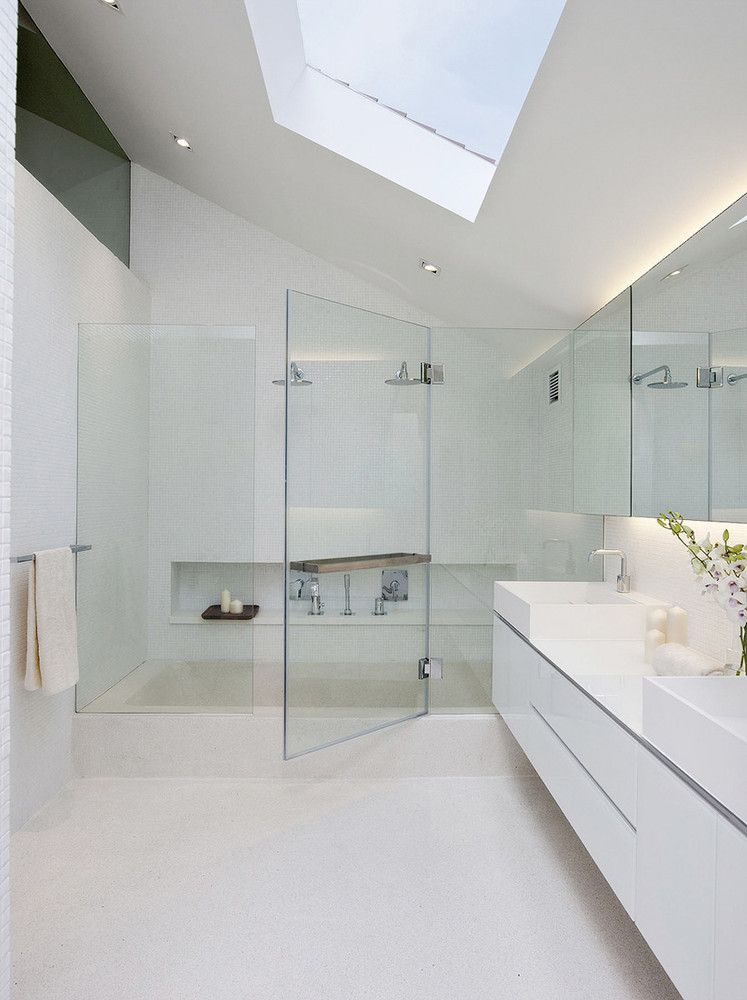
430 667
431 373
710 378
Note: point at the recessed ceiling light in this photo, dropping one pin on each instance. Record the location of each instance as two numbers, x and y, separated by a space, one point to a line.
430 267
111 4
673 274
738 222
181 141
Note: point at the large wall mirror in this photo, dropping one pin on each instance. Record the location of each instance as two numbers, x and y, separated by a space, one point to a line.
601 411
689 377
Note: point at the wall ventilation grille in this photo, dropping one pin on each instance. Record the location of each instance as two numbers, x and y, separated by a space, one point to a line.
553 386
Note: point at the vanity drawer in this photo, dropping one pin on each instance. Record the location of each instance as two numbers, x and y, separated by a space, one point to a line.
604 832
515 666
603 747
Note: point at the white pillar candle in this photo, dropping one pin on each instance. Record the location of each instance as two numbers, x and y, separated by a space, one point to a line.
225 601
677 625
236 607
657 619
654 638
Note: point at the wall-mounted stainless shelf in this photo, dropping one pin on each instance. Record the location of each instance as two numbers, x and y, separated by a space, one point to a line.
344 564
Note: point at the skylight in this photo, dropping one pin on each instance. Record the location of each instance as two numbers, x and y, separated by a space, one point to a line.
463 68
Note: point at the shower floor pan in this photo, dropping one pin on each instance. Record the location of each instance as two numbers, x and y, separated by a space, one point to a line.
185 686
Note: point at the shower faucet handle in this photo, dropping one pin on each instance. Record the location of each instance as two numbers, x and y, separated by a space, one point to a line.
394 585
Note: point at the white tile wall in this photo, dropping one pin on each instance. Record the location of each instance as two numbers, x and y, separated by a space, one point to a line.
659 566
601 410
728 459
8 31
63 277
670 426
207 266
501 453
201 444
112 579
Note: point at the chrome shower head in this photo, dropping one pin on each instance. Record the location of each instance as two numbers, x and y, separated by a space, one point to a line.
401 377
666 383
297 377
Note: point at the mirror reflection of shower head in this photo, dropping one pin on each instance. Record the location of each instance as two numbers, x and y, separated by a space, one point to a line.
297 377
666 383
401 377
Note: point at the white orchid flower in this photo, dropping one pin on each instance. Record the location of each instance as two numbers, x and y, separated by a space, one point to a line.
738 615
729 585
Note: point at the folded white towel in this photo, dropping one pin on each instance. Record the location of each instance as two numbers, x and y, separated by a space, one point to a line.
674 660
52 633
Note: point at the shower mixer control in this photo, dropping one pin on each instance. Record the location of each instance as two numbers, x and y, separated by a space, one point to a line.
394 584
298 587
317 608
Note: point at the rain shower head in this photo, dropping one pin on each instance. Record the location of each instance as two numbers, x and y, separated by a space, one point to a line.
297 377
401 377
666 383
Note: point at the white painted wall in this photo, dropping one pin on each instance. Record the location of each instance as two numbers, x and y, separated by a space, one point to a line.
64 277
8 34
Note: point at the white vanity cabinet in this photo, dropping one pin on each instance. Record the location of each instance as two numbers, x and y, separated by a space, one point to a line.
533 705
691 886
675 877
730 956
515 666
676 863
600 745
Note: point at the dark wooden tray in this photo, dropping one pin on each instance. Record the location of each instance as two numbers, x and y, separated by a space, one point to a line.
214 614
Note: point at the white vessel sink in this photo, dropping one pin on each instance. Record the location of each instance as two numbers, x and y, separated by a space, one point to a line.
700 723
572 610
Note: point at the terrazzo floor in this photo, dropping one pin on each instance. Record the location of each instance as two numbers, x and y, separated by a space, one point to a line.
438 888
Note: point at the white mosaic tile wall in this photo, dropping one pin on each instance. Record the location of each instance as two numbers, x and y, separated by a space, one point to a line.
112 579
601 404
670 426
659 566
728 458
63 277
8 31
499 447
207 266
201 481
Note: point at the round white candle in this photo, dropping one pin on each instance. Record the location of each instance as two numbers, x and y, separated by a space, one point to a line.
677 626
225 601
654 638
236 607
657 619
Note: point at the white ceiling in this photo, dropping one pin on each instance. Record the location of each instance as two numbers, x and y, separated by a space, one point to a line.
633 135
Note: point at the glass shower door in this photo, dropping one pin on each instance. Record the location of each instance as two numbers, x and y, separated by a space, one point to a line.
357 560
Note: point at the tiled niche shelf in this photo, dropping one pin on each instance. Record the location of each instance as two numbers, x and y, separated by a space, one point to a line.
460 596
197 585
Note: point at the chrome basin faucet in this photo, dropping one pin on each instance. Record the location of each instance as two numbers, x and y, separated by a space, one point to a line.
623 580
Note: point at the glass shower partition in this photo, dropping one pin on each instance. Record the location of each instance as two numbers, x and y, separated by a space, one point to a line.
357 573
166 502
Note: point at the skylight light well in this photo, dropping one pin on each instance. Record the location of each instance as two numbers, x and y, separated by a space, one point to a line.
464 69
